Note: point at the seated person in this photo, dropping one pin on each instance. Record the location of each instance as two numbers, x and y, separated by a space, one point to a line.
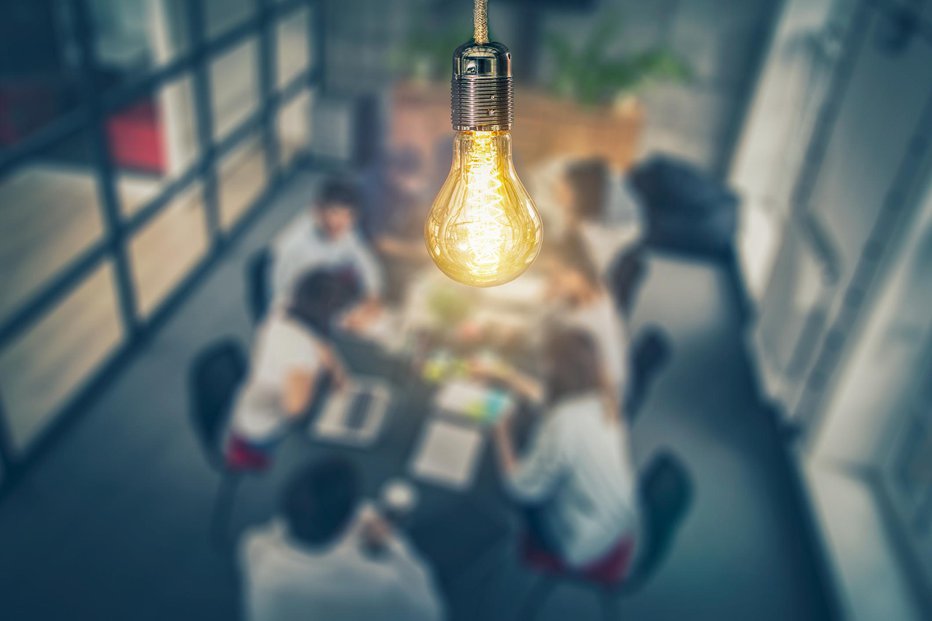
577 480
331 559
326 237
397 203
598 206
292 353
582 302
396 207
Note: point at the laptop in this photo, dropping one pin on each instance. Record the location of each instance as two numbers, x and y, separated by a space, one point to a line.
354 415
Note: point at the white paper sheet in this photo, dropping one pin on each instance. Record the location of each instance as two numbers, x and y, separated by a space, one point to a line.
448 454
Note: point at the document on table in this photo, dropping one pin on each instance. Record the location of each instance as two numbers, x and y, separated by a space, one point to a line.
474 401
448 454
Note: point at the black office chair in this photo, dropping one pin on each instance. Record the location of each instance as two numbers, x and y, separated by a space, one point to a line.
665 492
650 354
215 374
687 210
626 275
258 289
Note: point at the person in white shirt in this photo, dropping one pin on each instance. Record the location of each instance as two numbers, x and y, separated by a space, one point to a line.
598 205
330 559
291 355
582 301
577 479
326 236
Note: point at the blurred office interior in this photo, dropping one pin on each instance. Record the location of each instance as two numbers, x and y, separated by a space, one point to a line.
150 150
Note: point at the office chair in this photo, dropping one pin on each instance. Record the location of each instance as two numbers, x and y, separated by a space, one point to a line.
216 373
650 354
687 210
626 275
665 492
258 290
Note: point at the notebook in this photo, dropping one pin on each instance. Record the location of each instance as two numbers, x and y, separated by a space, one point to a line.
474 401
448 454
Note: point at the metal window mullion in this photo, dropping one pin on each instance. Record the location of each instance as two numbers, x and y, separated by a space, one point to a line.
205 122
6 447
317 17
109 199
42 139
267 84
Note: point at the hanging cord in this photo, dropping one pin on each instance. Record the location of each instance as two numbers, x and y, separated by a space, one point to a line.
480 20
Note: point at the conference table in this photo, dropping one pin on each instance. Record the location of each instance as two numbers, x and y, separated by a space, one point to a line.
450 526
454 528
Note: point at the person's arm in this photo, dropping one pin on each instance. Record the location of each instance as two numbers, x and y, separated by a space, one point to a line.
298 392
285 257
526 386
366 311
422 601
300 383
369 270
533 477
505 448
401 248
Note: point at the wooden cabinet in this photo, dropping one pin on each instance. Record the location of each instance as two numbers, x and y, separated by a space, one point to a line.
545 127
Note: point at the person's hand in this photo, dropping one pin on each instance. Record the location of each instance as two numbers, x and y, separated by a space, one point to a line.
469 332
339 376
486 368
376 532
361 316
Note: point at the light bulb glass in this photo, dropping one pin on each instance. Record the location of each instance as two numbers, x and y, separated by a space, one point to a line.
483 228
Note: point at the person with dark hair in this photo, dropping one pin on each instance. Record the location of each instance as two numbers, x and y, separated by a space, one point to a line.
326 236
397 202
581 300
331 556
599 206
576 481
292 353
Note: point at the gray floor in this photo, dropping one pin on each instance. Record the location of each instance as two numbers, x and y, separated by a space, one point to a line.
110 523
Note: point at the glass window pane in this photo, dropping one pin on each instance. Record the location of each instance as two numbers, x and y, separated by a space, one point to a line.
221 15
242 179
38 80
292 46
132 37
234 87
168 248
294 126
151 141
47 363
49 214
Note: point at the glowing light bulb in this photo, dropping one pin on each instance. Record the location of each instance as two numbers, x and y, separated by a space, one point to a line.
483 228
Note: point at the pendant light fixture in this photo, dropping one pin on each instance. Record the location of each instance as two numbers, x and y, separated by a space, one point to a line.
483 228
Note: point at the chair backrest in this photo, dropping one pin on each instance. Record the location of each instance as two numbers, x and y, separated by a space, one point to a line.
666 494
650 353
667 184
215 374
626 276
258 291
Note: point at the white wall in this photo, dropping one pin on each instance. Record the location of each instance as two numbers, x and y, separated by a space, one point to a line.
823 168
878 385
835 243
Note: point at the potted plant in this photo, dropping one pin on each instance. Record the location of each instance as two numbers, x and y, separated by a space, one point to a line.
590 108
587 109
592 76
